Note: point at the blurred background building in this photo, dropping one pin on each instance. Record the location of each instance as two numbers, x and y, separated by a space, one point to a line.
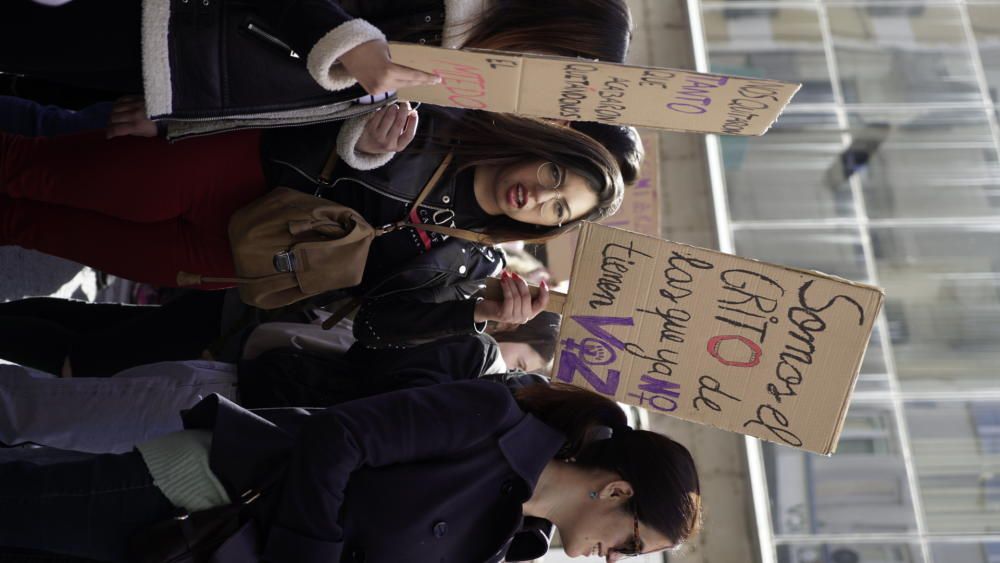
884 169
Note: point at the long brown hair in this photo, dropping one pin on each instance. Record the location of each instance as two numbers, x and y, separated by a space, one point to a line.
594 29
540 333
607 156
667 491
479 138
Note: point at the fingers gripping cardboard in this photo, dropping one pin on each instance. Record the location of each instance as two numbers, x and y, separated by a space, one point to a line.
582 90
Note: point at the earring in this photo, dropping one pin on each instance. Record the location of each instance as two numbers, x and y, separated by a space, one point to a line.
593 495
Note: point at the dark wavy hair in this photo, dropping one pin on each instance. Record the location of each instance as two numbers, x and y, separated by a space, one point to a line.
540 333
481 138
667 492
593 29
622 142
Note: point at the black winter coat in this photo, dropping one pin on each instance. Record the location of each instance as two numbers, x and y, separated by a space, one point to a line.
433 474
286 377
248 59
419 299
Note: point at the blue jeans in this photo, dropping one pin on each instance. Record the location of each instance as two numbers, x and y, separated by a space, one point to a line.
83 505
31 119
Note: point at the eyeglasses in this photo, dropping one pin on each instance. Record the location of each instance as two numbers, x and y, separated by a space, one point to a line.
634 545
551 176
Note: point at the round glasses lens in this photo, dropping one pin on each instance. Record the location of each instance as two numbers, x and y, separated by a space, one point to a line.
549 175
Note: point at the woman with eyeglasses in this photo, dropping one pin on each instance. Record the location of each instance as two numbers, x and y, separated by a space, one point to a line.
444 473
145 209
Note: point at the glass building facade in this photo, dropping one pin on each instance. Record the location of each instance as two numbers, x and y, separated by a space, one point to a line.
885 169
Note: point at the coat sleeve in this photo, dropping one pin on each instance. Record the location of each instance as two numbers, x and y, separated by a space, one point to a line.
392 428
428 299
323 31
413 317
347 141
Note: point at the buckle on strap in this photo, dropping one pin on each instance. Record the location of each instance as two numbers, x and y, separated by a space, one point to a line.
388 228
284 262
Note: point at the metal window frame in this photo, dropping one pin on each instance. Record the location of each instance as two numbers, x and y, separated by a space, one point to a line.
727 228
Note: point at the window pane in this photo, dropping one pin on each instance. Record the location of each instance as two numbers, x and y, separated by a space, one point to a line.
849 553
862 489
927 163
956 452
873 371
777 43
788 173
832 251
942 304
835 251
906 53
967 552
986 27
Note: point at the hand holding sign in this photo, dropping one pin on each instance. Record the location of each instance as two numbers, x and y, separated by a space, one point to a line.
582 90
554 303
369 63
517 302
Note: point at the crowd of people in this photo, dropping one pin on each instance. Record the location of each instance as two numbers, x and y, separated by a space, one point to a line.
422 426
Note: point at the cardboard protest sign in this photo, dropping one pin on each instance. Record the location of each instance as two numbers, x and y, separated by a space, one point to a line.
583 90
640 211
742 345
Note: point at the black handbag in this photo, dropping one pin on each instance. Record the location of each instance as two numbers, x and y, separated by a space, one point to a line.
199 537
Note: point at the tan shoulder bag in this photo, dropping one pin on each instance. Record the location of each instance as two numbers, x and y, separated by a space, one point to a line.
288 245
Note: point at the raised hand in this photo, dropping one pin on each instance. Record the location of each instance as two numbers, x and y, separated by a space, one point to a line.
390 130
128 117
369 63
517 306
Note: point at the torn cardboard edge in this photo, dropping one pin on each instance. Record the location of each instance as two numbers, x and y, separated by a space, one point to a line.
583 90
819 439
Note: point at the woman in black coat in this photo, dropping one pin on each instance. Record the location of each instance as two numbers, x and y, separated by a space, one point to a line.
255 62
147 210
442 473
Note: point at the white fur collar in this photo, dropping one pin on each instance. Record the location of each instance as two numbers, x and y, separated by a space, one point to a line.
456 15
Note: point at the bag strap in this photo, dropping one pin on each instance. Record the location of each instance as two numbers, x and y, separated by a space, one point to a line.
429 186
463 234
474 236
341 312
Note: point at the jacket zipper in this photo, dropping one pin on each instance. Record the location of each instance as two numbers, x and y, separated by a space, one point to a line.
278 122
272 39
384 193
324 184
433 281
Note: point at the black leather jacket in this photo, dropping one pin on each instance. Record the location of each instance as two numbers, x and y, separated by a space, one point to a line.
431 295
218 48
